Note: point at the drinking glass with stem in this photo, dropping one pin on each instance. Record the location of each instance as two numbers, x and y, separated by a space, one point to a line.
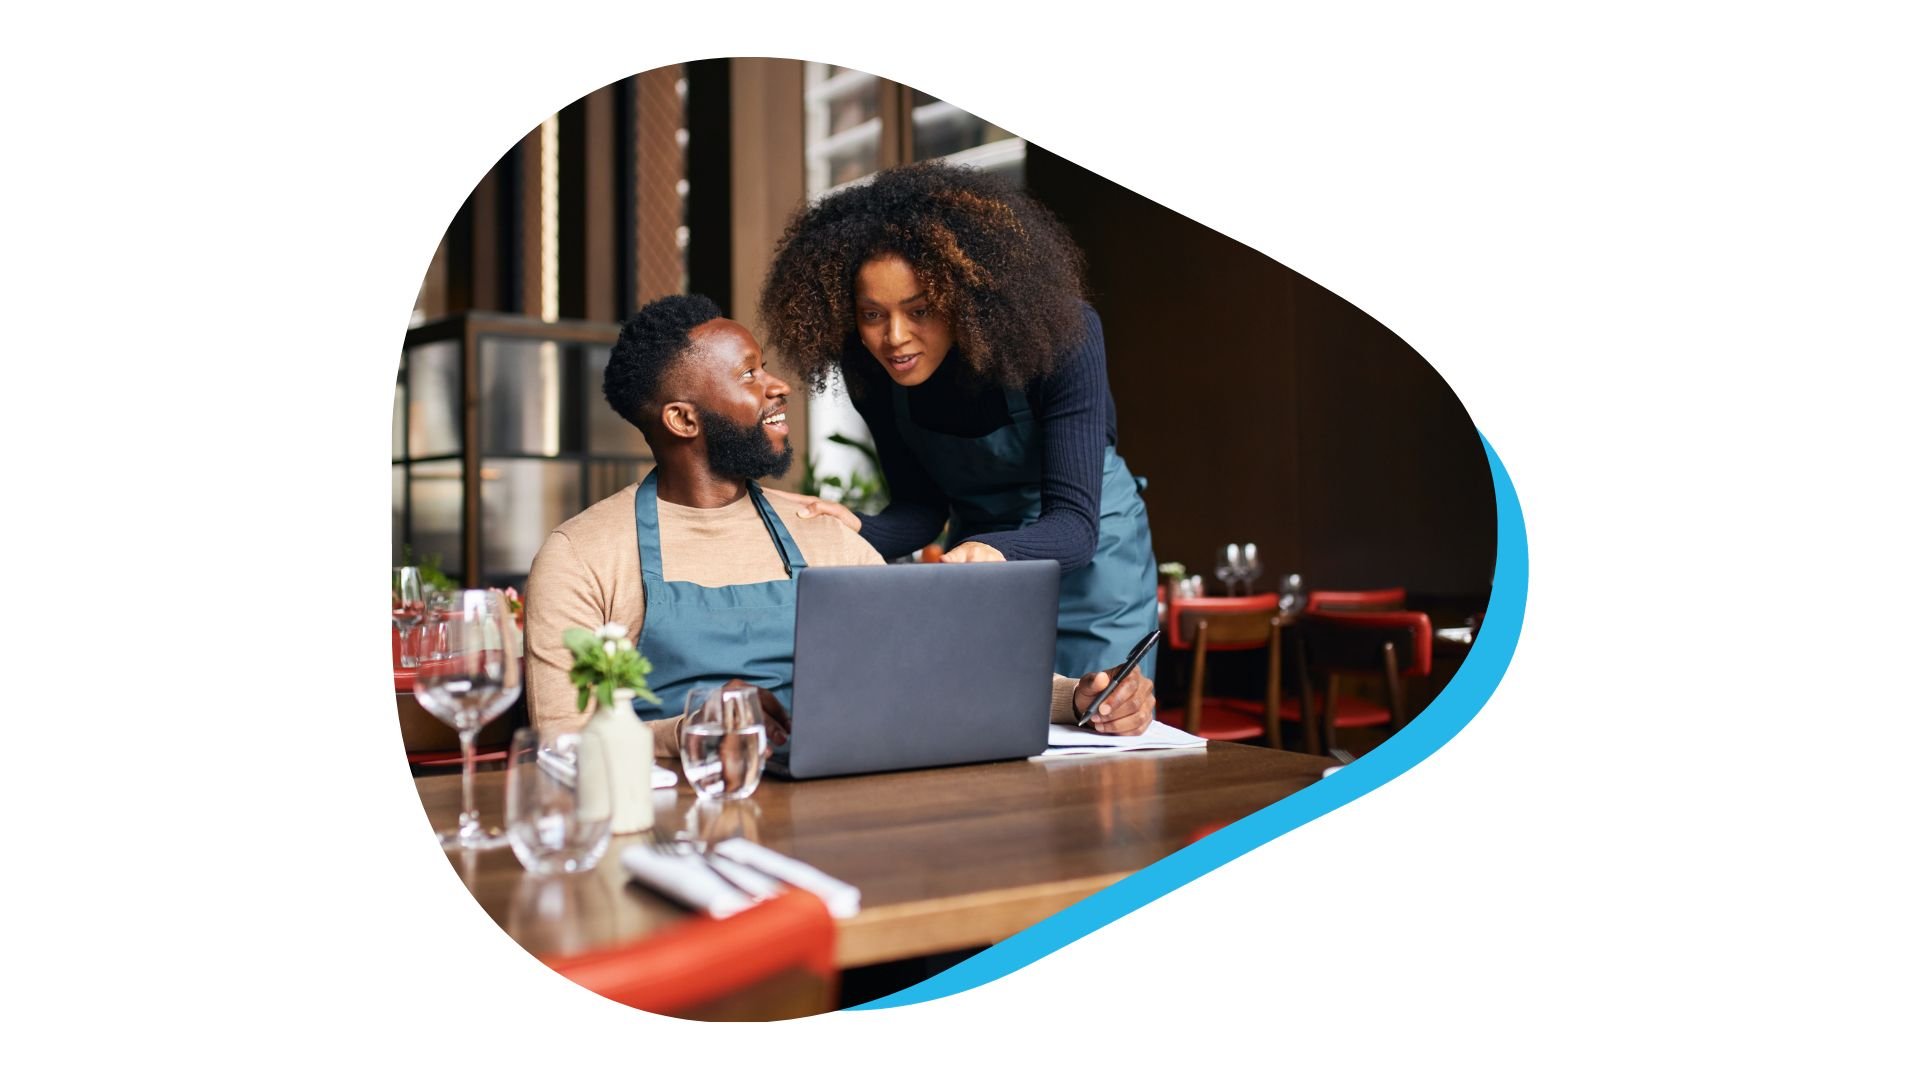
477 681
1226 566
1250 565
409 607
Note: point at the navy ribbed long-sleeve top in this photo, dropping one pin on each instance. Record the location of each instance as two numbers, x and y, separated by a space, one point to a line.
1074 413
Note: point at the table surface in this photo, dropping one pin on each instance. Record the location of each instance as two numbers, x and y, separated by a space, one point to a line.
944 858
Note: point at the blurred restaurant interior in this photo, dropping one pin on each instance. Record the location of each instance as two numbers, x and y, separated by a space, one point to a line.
1264 411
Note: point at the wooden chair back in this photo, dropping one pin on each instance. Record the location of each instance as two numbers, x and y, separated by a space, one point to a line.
1184 613
1237 630
1392 644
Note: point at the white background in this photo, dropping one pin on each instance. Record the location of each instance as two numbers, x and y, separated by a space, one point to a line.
1665 253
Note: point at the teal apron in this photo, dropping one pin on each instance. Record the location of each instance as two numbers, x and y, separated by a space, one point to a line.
694 635
993 485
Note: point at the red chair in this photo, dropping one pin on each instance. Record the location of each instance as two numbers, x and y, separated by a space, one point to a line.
1226 623
1394 599
1395 645
772 961
1184 611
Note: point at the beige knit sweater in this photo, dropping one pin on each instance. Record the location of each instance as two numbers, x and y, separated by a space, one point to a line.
587 573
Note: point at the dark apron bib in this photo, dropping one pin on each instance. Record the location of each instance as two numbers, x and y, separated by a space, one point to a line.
694 635
993 484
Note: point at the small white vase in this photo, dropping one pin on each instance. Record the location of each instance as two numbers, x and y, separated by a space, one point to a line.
624 738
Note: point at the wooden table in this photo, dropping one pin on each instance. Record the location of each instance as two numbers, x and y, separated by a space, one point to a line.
944 858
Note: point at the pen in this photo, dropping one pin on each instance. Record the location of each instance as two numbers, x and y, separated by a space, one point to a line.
1133 661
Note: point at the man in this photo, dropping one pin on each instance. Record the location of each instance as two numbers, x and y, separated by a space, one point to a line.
694 561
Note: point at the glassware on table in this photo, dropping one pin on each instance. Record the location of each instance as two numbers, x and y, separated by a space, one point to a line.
433 633
559 809
477 681
1293 596
1226 566
723 742
712 821
409 607
1250 565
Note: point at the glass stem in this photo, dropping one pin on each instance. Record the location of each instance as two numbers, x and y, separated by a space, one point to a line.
409 657
469 817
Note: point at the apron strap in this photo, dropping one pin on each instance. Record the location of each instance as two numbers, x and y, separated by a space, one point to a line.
646 524
1017 406
790 556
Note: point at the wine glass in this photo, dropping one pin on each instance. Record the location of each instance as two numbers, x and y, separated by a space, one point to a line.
1226 566
1250 564
475 683
409 606
1293 596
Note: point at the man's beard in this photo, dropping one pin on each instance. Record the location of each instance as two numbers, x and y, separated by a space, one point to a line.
742 451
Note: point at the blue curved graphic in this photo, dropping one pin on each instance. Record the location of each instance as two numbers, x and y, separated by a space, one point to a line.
1463 697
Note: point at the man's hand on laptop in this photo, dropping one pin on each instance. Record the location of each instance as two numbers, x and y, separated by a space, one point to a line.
1127 710
774 713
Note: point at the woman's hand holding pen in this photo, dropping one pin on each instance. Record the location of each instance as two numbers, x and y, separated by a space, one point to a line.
1127 710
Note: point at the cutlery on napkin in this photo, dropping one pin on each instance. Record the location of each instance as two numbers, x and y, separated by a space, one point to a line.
687 878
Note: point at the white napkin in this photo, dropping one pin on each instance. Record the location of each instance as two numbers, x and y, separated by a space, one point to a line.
842 899
560 766
688 879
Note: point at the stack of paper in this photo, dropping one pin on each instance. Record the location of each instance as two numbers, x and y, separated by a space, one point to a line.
1064 740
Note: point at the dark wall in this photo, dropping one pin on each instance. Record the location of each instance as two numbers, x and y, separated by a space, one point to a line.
1262 407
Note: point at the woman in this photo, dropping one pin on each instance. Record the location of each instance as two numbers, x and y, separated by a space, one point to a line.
952 307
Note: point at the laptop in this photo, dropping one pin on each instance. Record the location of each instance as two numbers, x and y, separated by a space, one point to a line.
919 665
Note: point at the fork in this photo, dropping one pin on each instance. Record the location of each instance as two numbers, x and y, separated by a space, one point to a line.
667 844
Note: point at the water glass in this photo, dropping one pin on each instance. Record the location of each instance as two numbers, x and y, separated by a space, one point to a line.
559 805
433 645
723 742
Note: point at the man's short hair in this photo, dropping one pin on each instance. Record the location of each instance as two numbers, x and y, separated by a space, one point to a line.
652 340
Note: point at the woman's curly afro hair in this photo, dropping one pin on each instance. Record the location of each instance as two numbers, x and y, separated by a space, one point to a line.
994 263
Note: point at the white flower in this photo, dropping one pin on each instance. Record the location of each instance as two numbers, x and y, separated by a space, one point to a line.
613 631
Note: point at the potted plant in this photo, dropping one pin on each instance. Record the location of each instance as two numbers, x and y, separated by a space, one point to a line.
609 671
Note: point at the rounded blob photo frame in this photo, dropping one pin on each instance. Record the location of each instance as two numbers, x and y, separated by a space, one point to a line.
916 338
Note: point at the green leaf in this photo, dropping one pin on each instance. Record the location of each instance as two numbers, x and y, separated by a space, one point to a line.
580 701
579 641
